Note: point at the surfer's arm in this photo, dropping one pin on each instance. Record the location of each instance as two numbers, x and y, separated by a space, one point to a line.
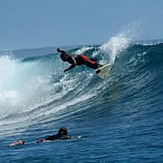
73 64
60 51
71 67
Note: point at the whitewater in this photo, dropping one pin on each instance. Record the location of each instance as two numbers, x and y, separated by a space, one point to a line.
115 120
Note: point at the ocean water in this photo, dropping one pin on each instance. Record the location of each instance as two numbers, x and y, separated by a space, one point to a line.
114 120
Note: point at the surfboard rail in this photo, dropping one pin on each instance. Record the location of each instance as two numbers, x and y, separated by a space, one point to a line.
103 71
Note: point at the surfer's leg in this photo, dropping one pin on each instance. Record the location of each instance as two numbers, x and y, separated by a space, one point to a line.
90 63
86 59
94 66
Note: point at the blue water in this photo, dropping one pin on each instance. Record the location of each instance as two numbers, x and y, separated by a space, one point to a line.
114 120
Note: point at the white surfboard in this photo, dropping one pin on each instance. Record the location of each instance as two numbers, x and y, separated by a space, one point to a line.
103 71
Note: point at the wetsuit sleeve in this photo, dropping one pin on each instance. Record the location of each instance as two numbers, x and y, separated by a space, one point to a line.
73 64
61 51
53 137
71 67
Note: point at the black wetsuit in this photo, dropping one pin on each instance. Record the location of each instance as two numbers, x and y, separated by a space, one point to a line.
55 137
78 60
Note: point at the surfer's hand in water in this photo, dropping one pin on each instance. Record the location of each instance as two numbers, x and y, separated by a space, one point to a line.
65 70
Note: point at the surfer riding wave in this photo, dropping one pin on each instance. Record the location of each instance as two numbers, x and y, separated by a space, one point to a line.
75 60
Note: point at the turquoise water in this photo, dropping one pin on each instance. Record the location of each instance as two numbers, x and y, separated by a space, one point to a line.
114 120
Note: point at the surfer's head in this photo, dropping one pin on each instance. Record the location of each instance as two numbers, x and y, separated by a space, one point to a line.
62 131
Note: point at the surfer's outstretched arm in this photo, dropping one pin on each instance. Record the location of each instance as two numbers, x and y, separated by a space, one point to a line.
73 63
71 67
60 51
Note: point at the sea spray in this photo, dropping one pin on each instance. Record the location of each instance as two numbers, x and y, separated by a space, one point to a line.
119 43
22 86
114 46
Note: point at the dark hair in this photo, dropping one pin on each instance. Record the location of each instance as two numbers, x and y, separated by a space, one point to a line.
62 131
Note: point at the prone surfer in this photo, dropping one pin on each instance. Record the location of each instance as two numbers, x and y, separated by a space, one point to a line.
61 135
75 60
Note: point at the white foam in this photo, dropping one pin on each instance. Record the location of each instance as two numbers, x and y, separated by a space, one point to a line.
114 46
68 83
83 49
118 43
69 103
7 69
21 86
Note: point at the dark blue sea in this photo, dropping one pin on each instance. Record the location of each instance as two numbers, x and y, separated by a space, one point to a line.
119 119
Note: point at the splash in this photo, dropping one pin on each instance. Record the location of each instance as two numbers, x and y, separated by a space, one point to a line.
83 49
8 95
21 85
118 43
7 69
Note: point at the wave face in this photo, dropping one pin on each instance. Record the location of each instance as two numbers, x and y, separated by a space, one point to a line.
123 111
